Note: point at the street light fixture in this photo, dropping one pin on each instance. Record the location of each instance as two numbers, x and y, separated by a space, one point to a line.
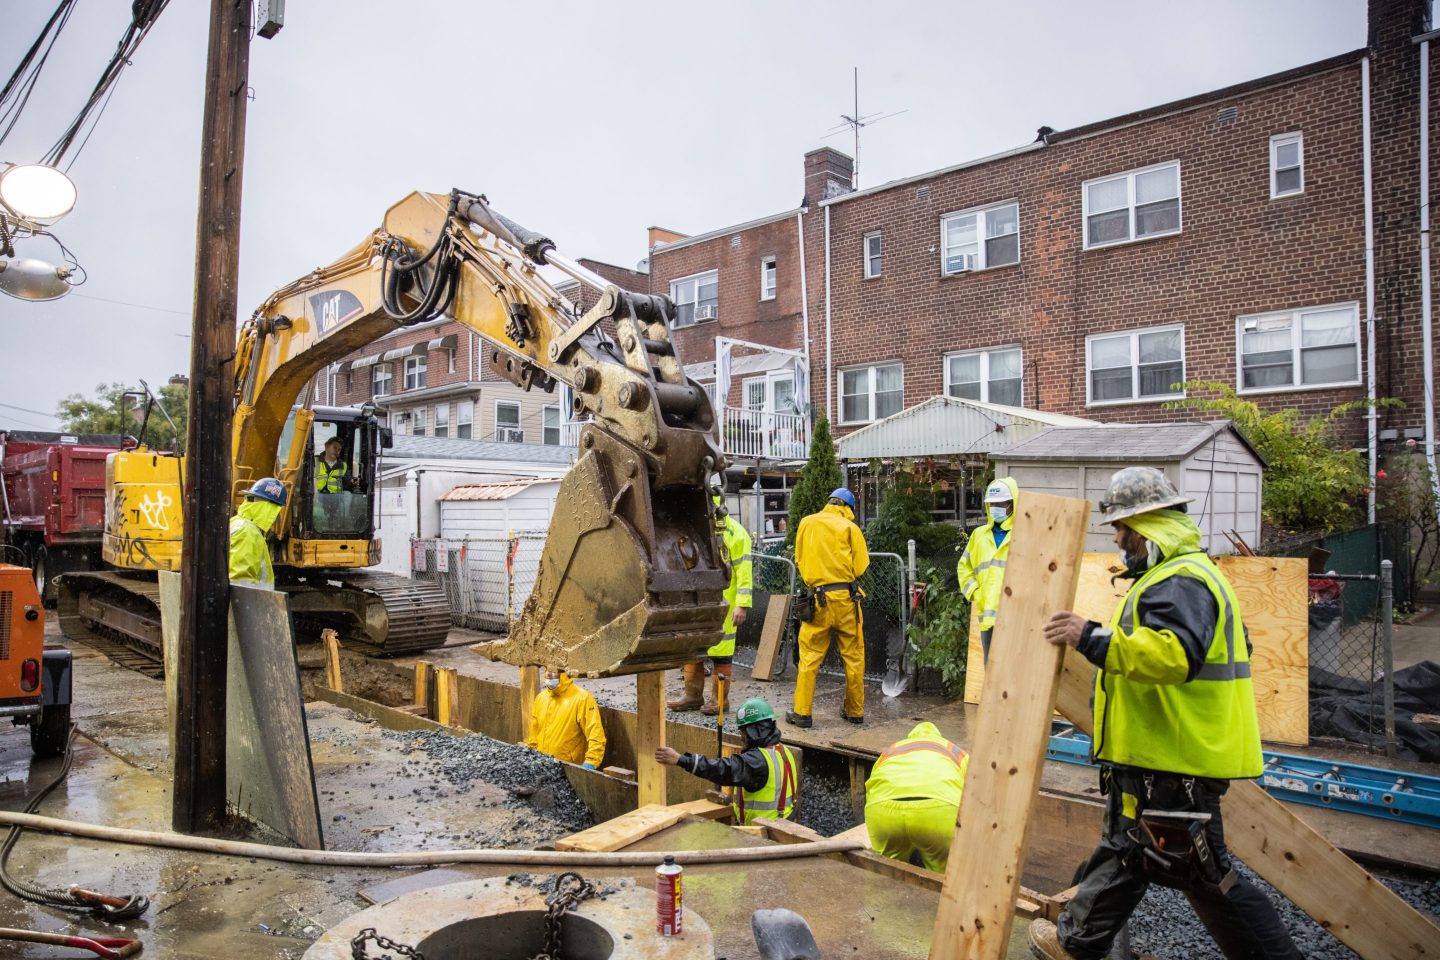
30 278
36 193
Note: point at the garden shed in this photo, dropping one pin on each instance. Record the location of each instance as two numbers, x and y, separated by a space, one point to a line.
487 510
1212 462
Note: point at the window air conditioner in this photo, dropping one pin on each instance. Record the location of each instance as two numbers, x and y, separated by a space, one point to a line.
963 263
706 312
510 435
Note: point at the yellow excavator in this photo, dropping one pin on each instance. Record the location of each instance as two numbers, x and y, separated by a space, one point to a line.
631 577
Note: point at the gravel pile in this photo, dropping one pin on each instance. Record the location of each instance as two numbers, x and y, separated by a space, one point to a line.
533 779
825 804
1165 925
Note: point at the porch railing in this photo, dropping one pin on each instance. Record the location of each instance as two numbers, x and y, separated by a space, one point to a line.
759 434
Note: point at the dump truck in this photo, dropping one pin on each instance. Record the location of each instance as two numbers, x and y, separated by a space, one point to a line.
34 676
52 501
631 577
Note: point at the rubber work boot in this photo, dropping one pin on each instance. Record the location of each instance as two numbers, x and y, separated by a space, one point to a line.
1044 944
694 693
712 699
798 719
854 720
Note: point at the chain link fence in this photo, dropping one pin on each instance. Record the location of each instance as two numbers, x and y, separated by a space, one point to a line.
486 579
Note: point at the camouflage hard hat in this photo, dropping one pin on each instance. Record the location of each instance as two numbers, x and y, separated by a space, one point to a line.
1136 490
753 711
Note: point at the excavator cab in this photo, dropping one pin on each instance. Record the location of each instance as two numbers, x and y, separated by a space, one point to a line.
335 488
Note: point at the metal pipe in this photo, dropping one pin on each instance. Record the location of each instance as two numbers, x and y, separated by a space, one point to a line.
804 300
829 374
1387 650
1425 305
574 271
1370 394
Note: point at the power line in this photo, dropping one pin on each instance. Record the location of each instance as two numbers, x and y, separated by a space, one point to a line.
23 422
127 303
42 413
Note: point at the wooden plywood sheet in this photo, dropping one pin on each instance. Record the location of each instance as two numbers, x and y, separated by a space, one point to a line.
777 613
1274 597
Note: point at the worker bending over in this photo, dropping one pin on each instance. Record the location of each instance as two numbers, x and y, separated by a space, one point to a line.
765 770
982 565
831 556
1175 722
565 722
737 602
913 797
249 553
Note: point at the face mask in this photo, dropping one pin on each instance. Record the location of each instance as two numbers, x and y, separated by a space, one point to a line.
1140 562
551 684
999 513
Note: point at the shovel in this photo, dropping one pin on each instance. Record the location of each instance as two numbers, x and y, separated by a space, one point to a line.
783 935
896 680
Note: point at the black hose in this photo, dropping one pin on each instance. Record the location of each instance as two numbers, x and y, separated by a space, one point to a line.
434 300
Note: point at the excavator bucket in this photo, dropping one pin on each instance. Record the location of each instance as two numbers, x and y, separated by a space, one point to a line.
631 578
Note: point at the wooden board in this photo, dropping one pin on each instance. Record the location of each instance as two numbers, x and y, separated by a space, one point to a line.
777 614
169 584
1274 598
650 735
624 830
333 678
269 775
1012 728
529 690
1334 890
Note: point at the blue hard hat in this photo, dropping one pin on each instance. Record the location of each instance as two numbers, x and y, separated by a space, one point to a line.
844 496
268 489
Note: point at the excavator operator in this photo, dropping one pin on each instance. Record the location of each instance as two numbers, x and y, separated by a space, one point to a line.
332 474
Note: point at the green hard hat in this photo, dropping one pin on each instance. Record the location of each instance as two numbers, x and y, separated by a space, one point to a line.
753 711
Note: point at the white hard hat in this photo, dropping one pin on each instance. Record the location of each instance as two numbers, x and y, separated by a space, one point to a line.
998 492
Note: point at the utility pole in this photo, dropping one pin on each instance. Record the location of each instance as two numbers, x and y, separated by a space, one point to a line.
201 668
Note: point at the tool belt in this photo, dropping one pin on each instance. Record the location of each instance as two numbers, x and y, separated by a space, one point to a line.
1171 849
810 599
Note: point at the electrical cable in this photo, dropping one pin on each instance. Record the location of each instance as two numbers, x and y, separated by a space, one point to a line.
22 84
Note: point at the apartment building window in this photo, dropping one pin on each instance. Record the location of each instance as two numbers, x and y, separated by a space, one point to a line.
992 376
1287 165
507 422
1299 349
696 298
1132 206
551 431
382 379
767 278
415 372
450 360
871 393
873 259
980 239
442 420
417 422
464 418
1138 365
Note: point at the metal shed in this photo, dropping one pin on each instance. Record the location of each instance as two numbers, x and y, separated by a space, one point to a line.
491 575
1212 462
494 509
948 426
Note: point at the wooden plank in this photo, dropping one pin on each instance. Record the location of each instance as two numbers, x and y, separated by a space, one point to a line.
333 678
859 773
391 718
423 669
624 830
982 880
1334 890
650 735
1273 594
529 690
447 696
705 809
777 613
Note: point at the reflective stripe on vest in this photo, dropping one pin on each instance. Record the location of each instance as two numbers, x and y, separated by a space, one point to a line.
330 479
1229 670
991 564
267 573
776 798
945 749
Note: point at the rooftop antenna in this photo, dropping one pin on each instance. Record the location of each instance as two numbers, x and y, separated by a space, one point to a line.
854 122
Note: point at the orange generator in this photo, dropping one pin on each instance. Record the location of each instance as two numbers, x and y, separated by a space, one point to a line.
34 679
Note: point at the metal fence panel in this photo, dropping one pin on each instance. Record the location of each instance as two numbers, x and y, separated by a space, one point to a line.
486 579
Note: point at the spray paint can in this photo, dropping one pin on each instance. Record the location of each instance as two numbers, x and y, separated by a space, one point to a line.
669 913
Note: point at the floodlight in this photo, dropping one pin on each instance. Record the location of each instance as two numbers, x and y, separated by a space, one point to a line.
36 192
30 278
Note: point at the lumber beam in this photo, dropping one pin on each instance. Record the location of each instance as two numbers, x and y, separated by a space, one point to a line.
447 696
621 832
423 671
333 678
982 879
650 735
772 631
1335 891
529 690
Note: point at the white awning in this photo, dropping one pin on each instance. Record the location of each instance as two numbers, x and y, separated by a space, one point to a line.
446 342
360 363
949 426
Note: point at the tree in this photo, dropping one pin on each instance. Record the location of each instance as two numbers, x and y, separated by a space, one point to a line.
107 413
820 476
1310 483
904 515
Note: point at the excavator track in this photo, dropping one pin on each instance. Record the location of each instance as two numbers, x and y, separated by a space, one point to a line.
377 613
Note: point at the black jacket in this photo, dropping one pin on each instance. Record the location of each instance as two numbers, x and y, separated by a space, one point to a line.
746 769
1180 604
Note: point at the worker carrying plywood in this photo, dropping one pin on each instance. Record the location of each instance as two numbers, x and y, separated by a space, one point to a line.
831 556
249 553
1175 721
565 722
981 567
765 770
913 796
738 601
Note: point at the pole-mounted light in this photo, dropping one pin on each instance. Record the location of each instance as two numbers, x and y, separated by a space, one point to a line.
36 193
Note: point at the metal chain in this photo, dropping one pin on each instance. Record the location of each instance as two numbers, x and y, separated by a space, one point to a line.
562 903
359 952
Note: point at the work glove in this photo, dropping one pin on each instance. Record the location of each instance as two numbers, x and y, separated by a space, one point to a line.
588 766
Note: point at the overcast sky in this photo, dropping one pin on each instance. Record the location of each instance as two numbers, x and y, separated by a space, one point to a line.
588 121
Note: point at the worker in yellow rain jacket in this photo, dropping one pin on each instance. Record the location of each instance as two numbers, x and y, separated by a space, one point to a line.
765 770
249 553
737 601
913 797
1175 722
831 556
982 566
565 722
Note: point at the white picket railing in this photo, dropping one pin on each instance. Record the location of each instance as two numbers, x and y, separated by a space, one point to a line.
758 434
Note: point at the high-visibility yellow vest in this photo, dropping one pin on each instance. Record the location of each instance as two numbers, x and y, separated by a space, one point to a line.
330 479
1206 727
777 798
923 766
738 593
981 567
249 554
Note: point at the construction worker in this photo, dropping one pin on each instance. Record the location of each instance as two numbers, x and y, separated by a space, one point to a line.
913 797
1175 721
982 566
765 770
565 722
738 601
332 475
249 553
831 556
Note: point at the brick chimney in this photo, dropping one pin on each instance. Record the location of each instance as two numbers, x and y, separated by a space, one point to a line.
828 173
